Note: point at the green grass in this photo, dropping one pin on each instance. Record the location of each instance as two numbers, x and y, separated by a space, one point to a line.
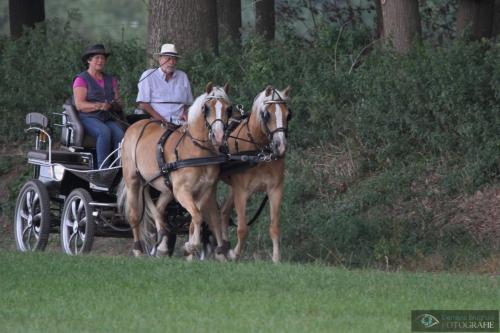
57 293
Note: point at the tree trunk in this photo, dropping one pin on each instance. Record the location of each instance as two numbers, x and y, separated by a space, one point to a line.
189 24
229 15
476 15
25 13
264 19
379 20
496 19
401 23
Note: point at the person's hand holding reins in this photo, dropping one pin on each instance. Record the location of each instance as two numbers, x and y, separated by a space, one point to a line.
102 106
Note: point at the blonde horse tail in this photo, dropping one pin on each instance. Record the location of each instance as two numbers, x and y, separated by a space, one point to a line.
147 230
121 200
145 211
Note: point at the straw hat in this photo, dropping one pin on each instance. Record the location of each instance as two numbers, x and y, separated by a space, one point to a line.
168 50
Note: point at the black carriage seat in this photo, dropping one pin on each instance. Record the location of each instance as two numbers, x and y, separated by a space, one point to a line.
35 119
73 133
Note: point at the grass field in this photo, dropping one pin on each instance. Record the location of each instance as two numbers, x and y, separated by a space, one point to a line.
57 293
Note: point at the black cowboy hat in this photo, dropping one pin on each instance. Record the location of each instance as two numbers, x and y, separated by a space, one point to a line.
93 50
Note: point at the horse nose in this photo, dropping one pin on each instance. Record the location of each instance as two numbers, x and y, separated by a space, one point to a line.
218 132
279 147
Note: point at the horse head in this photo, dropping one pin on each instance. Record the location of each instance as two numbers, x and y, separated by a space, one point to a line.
273 113
216 109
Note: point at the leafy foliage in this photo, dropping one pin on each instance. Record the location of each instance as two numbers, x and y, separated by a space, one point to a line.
406 133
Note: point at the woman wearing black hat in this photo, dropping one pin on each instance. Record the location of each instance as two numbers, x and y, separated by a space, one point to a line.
94 93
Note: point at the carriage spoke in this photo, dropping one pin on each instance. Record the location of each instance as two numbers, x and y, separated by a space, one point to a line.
77 234
28 240
37 217
23 214
68 223
70 240
73 210
82 222
71 237
28 201
35 198
24 231
81 206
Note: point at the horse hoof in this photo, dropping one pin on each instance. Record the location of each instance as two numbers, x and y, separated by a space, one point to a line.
137 253
232 255
162 253
190 249
220 257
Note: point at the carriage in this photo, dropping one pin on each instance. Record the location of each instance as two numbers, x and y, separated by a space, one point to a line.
67 195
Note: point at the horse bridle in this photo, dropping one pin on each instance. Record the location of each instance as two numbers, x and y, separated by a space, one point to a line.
206 111
264 116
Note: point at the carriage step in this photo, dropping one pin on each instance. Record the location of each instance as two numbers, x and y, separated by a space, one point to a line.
103 204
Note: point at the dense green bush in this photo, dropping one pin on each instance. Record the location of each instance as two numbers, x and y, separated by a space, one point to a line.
37 71
400 120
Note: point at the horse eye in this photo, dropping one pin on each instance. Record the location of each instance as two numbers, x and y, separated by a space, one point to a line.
289 117
229 111
265 115
207 110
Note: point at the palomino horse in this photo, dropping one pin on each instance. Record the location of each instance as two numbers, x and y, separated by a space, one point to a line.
191 184
263 132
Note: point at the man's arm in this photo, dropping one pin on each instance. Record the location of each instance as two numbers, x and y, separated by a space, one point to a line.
149 110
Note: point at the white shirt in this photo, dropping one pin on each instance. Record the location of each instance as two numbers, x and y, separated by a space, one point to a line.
166 97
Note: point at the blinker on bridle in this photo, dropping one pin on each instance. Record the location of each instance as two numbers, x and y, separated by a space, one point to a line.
265 116
206 111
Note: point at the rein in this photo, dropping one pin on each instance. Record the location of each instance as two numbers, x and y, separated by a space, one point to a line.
167 168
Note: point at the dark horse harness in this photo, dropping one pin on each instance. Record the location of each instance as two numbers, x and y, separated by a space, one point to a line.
239 161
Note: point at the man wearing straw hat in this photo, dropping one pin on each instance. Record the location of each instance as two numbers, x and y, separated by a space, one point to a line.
165 93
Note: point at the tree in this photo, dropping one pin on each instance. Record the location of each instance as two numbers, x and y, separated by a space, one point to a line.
379 21
496 19
401 23
476 15
229 15
25 13
190 24
264 19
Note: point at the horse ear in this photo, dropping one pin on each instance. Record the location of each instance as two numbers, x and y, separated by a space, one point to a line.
269 89
209 87
286 92
226 88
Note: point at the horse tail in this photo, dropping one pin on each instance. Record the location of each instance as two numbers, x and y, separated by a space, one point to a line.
147 230
145 209
121 199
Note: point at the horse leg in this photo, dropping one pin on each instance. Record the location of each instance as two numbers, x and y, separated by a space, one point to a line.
211 209
133 189
186 199
240 203
225 214
159 213
275 196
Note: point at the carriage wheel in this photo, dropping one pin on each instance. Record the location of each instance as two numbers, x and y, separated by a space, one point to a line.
77 223
32 217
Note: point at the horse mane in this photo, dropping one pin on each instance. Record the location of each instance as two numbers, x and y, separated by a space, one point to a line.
197 106
261 98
